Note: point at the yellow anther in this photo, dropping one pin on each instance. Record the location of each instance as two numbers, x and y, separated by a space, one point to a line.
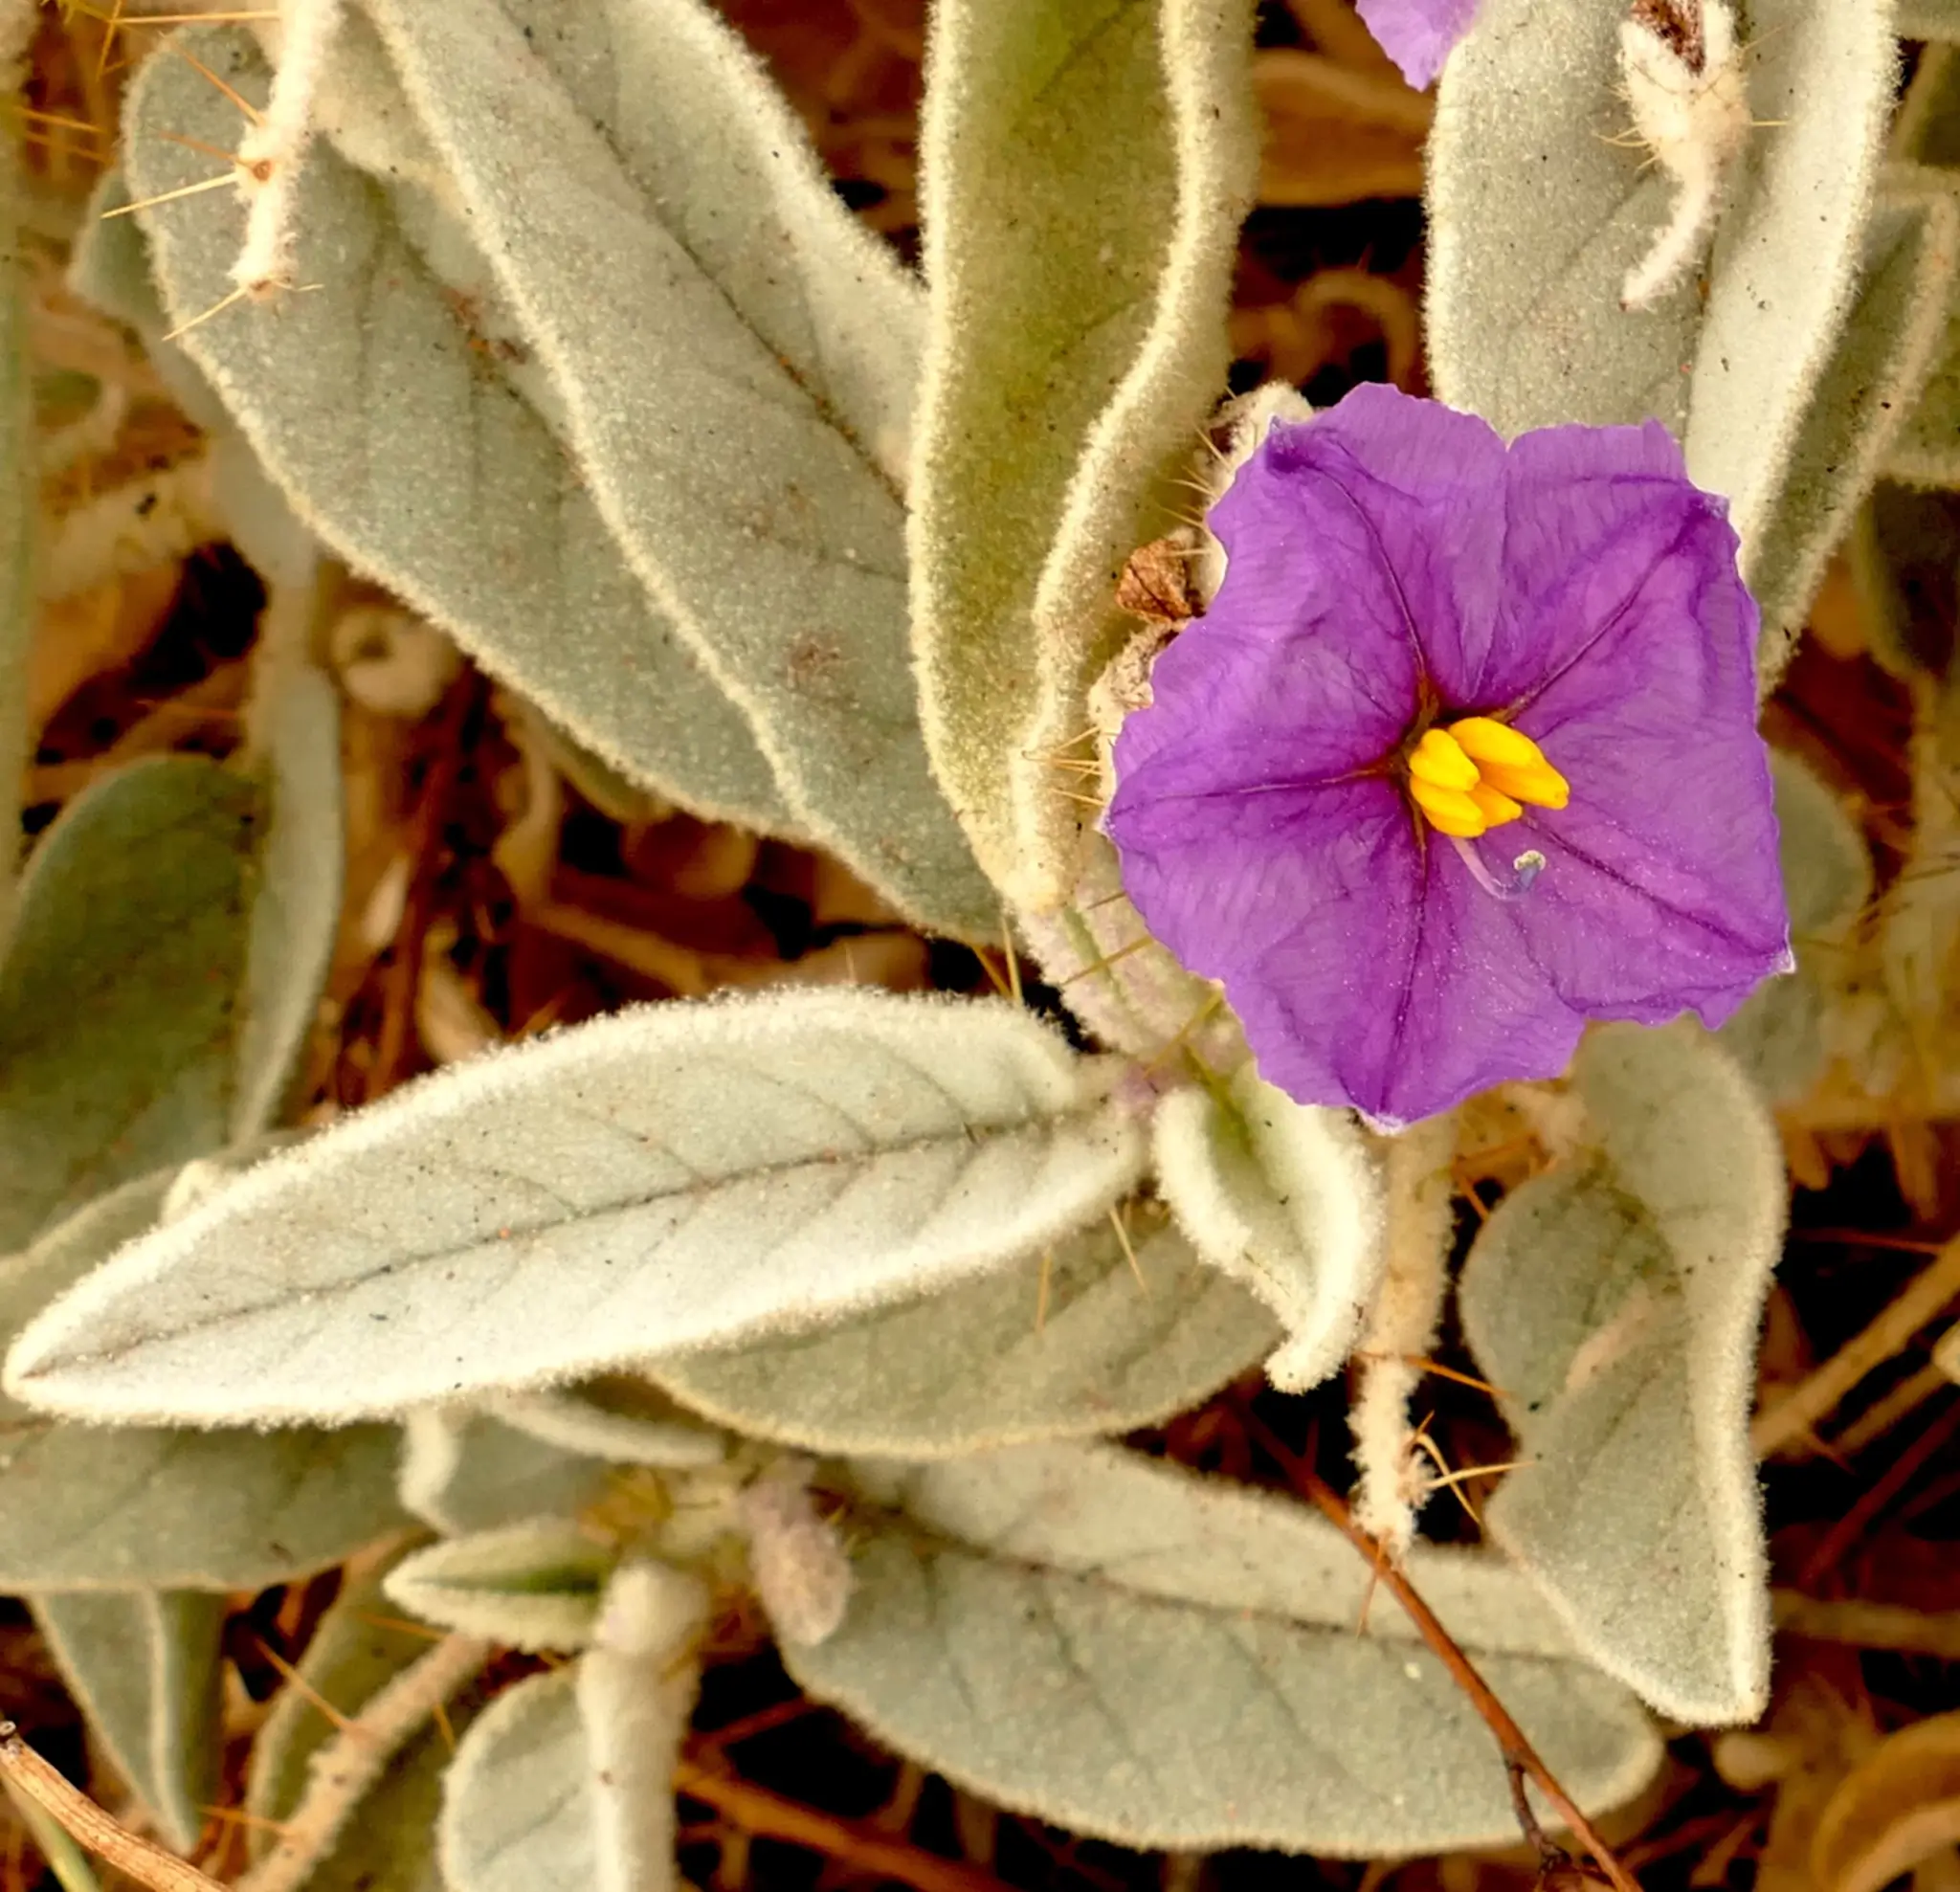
1495 809
1484 741
1438 759
1450 810
1509 762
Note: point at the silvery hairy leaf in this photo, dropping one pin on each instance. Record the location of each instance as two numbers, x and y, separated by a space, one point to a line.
295 901
359 1645
1068 1340
772 540
88 1507
1285 1198
1777 1035
1134 1652
531 1584
1538 216
1083 172
678 1175
437 476
619 1420
566 1779
119 991
143 1664
1864 410
465 1471
1615 1302
173 934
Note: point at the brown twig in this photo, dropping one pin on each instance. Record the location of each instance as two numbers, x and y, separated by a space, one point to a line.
1782 1425
1521 1758
107 1837
771 1816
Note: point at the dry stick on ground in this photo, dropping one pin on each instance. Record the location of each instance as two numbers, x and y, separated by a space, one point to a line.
107 1837
1923 1298
1521 1759
850 1842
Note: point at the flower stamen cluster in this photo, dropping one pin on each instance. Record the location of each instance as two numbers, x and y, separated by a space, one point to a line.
1477 775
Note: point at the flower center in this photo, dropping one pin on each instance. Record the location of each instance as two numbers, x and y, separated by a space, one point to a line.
1477 774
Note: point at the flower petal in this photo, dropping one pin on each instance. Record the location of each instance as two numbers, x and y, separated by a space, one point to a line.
1368 967
1417 34
1402 501
1589 511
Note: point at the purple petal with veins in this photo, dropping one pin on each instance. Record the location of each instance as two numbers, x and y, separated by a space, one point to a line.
1393 566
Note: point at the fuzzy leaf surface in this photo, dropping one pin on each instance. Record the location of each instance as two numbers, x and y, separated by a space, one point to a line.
89 1507
1787 258
1065 1342
532 1584
296 906
357 1648
1777 1035
706 134
145 1665
119 991
617 1420
773 542
1136 1653
1083 168
1863 412
464 1472
682 1173
1285 1198
396 433
1129 486
1617 1303
1538 216
566 1779
1536 220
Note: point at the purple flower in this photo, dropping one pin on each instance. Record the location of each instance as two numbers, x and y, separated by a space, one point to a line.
1417 34
1464 754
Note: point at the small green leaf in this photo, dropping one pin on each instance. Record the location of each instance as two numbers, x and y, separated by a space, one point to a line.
144 1666
531 1584
1615 1302
1069 1341
119 991
465 1471
1285 1198
1083 168
1138 1654
679 1174
568 1779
